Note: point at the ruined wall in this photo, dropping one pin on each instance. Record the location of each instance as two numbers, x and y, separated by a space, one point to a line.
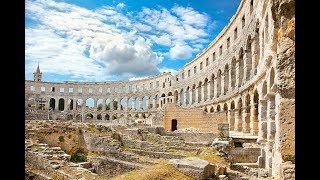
195 118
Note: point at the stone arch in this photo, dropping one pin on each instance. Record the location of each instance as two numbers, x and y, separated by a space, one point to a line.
130 103
241 67
256 46
238 119
108 104
205 109
232 105
99 117
219 83
89 116
52 103
90 102
225 107
170 93
115 103
53 89
226 78
151 102
61 104
137 103
233 72
218 108
144 102
79 104
248 58
107 117
157 100
78 117
70 104
99 104
211 109
123 104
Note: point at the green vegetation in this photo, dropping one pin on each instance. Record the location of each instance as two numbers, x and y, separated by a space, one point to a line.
61 138
79 156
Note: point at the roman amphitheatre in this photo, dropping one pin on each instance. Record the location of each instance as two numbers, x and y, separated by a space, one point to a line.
227 114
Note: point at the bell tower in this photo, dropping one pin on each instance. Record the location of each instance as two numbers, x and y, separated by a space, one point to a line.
37 76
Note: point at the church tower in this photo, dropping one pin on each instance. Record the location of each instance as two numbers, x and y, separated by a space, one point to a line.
37 76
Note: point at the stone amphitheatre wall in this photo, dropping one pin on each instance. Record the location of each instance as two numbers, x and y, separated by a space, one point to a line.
195 118
246 72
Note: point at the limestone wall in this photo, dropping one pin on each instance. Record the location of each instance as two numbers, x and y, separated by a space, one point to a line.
195 118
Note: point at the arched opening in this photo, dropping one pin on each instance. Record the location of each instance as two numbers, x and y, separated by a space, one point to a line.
53 89
205 109
254 114
130 106
151 102
79 104
107 117
231 116
90 103
144 102
256 46
211 110
123 104
157 101
238 123
78 117
246 115
251 6
218 108
225 107
219 83
188 96
99 117
61 104
69 117
108 103
52 104
89 116
170 94
241 71
115 103
174 124
70 104
226 78
99 104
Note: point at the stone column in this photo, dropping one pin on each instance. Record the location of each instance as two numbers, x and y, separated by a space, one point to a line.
230 78
262 134
133 102
74 104
147 103
238 120
140 104
185 98
196 92
216 88
66 104
154 103
245 120
209 90
222 84
56 108
119 104
237 75
203 95
231 119
126 104
190 97
254 118
48 105
111 104
271 117
103 104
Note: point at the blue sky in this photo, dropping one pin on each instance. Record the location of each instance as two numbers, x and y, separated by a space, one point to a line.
108 40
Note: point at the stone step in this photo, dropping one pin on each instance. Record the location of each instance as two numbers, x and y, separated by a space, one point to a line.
243 167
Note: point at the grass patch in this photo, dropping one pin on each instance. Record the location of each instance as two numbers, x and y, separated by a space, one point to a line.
61 138
212 156
159 171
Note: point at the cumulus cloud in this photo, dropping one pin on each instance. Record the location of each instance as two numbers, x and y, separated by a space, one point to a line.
164 69
180 52
104 44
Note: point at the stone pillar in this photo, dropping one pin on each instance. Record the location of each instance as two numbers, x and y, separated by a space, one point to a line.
203 95
222 84
262 134
126 104
196 92
190 97
74 105
185 98
119 104
245 66
216 88
154 103
245 120
48 105
147 103
66 104
230 78
209 90
133 107
56 108
111 104
238 120
231 120
237 75
271 117
103 104
254 57
253 118
140 104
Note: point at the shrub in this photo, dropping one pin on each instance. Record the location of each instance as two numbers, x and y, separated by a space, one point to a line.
61 138
79 156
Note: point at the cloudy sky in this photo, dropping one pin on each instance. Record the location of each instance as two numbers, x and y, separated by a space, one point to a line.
108 40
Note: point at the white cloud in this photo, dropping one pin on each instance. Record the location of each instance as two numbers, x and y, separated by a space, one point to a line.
120 5
190 16
143 27
164 69
181 52
164 39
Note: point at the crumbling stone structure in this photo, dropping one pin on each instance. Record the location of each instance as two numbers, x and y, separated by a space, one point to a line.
247 72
